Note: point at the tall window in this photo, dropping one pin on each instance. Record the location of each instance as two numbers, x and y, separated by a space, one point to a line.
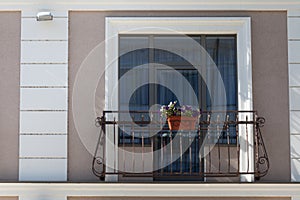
232 38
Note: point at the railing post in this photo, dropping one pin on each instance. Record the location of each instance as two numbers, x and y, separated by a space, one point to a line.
103 125
246 146
256 142
262 161
111 149
98 164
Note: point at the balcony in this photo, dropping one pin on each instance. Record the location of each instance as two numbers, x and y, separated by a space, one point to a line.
139 144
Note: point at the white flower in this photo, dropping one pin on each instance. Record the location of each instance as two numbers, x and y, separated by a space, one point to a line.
162 108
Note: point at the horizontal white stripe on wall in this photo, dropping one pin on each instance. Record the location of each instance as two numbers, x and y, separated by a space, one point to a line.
295 122
294 74
44 52
43 146
295 99
295 146
44 99
43 122
295 167
293 13
43 169
294 28
294 49
44 75
57 29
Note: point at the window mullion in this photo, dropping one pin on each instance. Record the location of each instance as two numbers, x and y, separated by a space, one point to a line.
202 85
151 70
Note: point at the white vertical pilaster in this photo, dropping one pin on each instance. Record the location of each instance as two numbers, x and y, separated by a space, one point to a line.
294 90
44 98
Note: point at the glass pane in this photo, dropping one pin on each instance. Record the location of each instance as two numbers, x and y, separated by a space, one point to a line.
189 160
222 50
174 50
165 95
133 54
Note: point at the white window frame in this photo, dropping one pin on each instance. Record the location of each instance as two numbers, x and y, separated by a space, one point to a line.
241 26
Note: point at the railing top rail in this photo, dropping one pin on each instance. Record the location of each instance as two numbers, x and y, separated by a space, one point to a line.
144 117
157 111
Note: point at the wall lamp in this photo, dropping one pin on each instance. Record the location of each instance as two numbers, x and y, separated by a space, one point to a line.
44 16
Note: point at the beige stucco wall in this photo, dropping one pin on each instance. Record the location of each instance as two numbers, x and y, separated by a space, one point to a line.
270 81
10 35
9 198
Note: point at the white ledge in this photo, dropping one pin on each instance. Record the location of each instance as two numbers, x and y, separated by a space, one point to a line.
150 189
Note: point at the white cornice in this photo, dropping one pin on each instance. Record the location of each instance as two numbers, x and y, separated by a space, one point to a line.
149 5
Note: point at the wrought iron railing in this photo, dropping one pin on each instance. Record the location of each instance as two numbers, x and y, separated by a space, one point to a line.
223 144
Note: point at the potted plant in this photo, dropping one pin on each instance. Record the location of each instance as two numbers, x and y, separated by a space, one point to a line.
180 117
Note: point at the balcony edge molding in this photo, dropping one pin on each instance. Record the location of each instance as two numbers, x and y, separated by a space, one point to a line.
151 190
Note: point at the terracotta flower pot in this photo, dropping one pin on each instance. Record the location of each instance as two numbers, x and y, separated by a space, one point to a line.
181 123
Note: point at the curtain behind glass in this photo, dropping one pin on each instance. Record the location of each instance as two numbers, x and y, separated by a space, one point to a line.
132 54
164 95
223 52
